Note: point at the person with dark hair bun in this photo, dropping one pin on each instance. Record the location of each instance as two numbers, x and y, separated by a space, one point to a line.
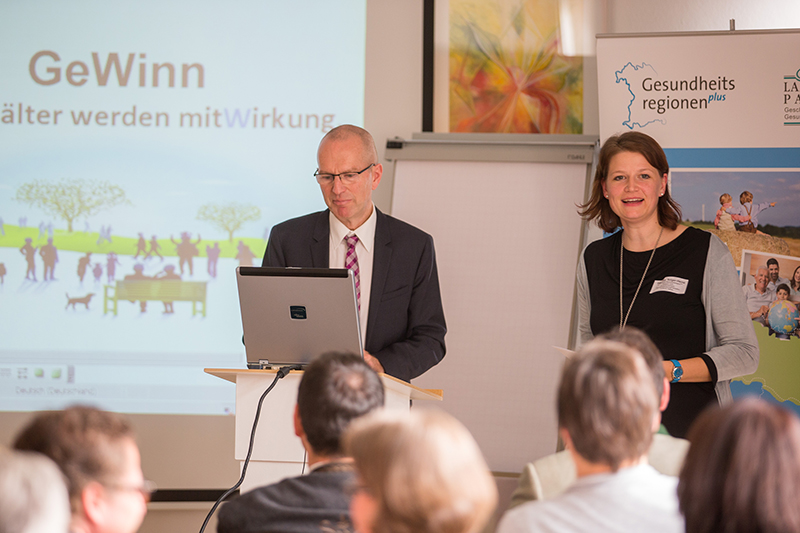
742 472
677 284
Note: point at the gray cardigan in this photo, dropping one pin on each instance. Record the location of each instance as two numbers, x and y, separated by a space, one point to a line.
730 338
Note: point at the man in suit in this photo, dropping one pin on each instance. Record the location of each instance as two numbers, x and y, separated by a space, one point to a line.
335 389
394 262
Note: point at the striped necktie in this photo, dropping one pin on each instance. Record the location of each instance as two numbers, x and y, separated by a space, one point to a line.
351 263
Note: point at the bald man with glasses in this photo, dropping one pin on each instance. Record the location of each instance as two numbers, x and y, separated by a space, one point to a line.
394 263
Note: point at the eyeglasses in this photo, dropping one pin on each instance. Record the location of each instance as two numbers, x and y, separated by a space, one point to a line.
146 489
347 178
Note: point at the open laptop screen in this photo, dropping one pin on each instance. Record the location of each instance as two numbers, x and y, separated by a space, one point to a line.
292 315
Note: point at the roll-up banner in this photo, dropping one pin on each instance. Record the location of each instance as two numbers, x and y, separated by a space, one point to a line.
726 108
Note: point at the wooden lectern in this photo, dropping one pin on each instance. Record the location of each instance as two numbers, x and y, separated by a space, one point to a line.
277 452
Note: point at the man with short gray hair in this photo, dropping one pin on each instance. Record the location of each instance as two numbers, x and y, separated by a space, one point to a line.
759 296
393 263
608 410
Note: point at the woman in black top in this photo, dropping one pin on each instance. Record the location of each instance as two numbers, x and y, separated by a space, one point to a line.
678 284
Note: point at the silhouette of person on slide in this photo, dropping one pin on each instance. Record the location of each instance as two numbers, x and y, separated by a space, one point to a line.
49 258
141 246
83 264
29 251
154 248
138 274
186 250
213 257
168 274
111 266
245 255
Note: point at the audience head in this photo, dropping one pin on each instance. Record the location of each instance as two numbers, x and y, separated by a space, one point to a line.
33 495
639 340
420 471
742 471
336 388
598 207
98 456
607 403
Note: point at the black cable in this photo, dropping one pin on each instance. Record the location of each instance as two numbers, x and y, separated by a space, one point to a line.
282 373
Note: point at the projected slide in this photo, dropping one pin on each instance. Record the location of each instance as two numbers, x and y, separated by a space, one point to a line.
147 149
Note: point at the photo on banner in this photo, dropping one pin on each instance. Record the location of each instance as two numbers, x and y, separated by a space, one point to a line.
777 328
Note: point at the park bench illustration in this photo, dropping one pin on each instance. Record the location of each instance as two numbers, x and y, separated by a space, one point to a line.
155 290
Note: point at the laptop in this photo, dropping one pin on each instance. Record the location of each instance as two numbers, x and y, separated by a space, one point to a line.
292 315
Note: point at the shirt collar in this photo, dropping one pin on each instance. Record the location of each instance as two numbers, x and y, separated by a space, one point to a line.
365 232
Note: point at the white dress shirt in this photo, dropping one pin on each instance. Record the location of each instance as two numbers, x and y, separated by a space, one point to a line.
365 250
631 500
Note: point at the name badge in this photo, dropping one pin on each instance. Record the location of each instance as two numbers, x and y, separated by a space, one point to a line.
670 284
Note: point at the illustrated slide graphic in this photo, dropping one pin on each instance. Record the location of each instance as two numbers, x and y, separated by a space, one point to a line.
138 170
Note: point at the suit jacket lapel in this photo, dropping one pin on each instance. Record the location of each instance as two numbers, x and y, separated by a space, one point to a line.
381 260
320 255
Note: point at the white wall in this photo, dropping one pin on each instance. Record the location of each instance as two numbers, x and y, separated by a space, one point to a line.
394 77
647 16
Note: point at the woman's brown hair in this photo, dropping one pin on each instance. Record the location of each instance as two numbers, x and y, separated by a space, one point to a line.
742 471
598 208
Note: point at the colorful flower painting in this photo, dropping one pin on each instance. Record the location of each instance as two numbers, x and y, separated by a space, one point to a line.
506 73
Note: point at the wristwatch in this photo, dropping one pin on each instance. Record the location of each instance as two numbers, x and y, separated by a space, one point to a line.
677 370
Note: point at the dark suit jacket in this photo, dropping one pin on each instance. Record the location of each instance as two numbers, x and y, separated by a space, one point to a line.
406 327
307 503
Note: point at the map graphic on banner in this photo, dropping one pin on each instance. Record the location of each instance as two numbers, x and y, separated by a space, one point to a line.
726 108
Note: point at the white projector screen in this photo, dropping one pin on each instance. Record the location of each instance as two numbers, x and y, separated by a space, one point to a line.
150 137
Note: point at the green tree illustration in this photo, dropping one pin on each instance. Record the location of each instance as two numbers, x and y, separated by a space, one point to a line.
71 198
229 217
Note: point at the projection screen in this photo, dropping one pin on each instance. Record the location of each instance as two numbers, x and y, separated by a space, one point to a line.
161 141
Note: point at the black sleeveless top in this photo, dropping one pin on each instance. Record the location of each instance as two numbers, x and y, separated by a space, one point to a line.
673 315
